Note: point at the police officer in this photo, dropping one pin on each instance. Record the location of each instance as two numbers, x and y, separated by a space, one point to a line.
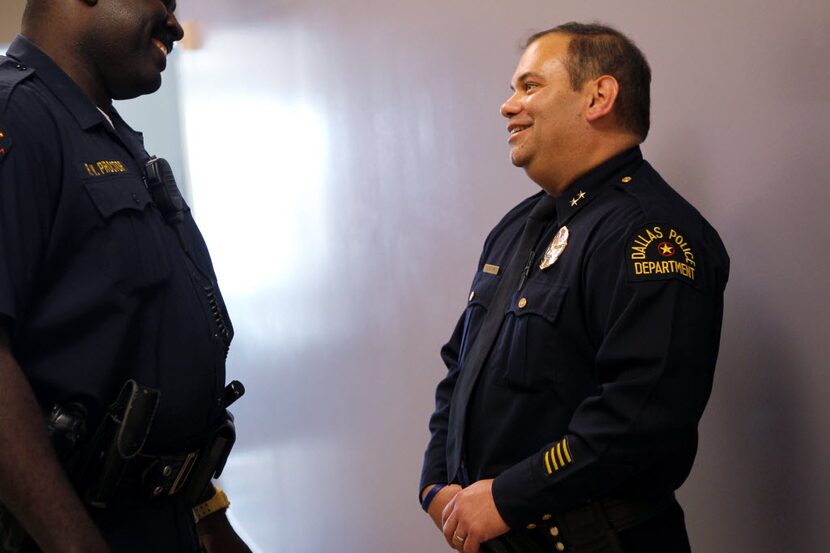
582 364
101 281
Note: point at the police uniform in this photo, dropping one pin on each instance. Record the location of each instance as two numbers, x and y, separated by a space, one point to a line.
96 287
603 362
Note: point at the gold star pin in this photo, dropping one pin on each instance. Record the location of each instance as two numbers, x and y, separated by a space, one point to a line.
576 198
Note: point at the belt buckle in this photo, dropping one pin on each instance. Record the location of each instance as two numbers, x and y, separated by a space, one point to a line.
184 472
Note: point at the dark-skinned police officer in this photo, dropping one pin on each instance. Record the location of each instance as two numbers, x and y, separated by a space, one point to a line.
584 359
104 280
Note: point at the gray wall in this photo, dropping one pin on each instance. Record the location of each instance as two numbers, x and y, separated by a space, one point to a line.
370 161
346 161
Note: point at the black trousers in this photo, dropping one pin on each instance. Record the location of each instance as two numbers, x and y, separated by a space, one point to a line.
665 533
159 526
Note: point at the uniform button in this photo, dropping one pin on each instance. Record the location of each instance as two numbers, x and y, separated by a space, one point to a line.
167 470
522 303
547 517
560 546
626 179
554 531
531 526
472 295
158 490
136 200
21 67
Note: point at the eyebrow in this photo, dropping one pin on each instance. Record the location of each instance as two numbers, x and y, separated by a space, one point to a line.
525 76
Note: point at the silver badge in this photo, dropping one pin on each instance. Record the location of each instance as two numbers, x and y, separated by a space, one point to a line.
557 246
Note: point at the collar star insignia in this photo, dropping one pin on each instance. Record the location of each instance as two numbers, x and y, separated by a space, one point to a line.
576 198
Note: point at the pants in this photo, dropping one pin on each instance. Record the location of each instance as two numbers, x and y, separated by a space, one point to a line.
160 526
665 533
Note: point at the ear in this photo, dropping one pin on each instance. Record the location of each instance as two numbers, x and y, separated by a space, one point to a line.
601 94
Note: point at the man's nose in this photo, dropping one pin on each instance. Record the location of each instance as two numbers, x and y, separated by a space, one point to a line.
174 26
510 107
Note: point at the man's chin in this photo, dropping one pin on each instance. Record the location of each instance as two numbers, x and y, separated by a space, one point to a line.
128 91
517 159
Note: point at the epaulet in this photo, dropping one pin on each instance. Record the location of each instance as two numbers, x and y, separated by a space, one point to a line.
10 76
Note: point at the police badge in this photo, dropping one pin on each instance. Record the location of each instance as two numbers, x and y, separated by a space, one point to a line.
557 246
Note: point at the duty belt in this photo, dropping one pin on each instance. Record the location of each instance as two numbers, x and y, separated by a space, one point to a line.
157 475
589 529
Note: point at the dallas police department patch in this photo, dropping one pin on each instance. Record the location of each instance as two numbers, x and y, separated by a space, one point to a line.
5 143
660 251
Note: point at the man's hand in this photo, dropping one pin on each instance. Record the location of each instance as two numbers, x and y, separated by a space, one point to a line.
471 518
218 536
436 507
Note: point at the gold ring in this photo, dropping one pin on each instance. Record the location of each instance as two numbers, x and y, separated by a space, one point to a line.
458 538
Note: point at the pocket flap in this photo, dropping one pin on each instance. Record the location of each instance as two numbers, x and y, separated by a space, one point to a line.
483 289
538 298
115 193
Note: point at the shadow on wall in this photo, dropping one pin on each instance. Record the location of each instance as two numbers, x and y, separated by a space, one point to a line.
763 436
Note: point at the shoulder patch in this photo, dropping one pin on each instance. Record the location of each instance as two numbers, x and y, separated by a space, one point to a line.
660 251
5 143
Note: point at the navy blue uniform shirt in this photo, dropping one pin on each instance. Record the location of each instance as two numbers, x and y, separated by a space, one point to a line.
604 361
95 287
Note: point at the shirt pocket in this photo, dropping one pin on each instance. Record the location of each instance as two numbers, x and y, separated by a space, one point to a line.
481 296
128 233
526 355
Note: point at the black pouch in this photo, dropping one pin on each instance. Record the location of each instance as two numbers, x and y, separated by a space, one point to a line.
120 438
211 461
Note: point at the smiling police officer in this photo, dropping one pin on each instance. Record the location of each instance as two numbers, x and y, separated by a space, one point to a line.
110 315
584 359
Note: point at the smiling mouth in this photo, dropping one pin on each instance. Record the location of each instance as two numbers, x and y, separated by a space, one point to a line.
516 129
161 46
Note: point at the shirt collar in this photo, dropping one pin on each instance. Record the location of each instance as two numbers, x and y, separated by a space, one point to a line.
64 88
584 189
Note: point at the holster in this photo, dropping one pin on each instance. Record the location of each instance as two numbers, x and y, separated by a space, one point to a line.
119 439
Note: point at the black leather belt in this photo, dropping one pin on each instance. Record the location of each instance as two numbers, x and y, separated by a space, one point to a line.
589 529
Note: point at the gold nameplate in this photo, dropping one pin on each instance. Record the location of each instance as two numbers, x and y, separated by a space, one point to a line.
491 269
557 246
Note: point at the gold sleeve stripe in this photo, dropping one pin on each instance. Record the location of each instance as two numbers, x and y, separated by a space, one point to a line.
558 456
565 449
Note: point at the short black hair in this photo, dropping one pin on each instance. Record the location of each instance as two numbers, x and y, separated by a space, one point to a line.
596 50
